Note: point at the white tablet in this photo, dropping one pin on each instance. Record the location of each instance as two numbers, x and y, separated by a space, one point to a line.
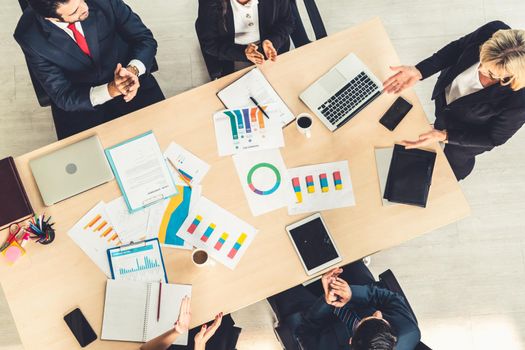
313 243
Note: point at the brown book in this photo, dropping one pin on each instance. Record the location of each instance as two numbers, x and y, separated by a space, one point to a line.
14 204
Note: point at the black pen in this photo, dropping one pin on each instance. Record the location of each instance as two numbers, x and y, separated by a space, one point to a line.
257 104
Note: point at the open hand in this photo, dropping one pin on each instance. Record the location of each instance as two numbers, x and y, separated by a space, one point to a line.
183 322
426 139
207 332
269 50
405 77
253 55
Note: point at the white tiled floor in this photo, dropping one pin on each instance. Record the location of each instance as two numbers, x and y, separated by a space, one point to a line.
465 281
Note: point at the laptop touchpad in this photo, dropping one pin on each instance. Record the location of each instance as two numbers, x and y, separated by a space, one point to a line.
332 81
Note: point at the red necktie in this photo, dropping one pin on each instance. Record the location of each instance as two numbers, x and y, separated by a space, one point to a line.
79 38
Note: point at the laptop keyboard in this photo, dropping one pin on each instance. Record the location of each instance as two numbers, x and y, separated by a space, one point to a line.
348 98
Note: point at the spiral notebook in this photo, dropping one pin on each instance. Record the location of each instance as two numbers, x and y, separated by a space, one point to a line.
130 310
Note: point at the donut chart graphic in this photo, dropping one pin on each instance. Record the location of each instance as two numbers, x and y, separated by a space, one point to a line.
277 179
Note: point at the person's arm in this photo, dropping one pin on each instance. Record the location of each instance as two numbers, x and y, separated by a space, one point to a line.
212 43
450 54
313 321
500 129
283 27
143 46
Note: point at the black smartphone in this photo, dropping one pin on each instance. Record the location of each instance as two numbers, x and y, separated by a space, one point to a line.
80 327
395 113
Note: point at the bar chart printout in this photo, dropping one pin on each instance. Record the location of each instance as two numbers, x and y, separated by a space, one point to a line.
138 262
224 236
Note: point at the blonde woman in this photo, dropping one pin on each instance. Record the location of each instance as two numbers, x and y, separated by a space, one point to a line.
479 95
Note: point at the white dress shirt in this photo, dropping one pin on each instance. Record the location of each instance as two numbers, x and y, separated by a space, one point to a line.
246 22
98 94
465 84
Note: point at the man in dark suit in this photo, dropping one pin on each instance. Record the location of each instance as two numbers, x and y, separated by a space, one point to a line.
357 316
77 49
479 95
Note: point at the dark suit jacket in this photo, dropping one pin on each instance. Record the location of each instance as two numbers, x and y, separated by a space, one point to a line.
276 23
486 118
114 33
322 330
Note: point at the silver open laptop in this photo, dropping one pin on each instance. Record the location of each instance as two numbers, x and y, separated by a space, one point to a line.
341 93
71 170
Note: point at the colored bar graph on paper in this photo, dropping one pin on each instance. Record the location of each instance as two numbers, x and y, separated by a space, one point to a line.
221 241
337 181
237 245
246 113
233 124
194 224
101 226
324 182
310 184
148 264
185 175
240 124
208 232
92 222
297 189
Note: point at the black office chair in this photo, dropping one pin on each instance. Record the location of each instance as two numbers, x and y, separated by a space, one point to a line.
387 280
225 338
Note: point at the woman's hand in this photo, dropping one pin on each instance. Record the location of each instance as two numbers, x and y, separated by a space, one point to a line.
207 332
269 50
426 139
405 77
253 55
183 322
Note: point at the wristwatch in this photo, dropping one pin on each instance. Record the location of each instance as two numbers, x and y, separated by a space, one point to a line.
133 70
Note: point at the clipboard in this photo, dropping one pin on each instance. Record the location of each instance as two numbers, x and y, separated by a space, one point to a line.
140 261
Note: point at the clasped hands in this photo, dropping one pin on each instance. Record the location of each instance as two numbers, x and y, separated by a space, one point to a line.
125 82
256 57
336 291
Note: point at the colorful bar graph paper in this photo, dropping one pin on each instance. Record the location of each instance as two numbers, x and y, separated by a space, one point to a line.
337 181
297 189
237 245
246 113
310 184
208 232
194 224
221 241
324 182
233 124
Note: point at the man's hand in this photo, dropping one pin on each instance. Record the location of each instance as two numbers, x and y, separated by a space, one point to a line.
405 77
183 322
340 291
124 83
269 50
253 55
206 333
328 278
426 139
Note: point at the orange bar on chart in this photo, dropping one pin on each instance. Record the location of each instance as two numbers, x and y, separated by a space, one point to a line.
105 233
261 117
102 224
92 222
115 236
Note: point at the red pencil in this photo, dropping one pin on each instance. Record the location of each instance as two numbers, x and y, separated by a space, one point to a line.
158 306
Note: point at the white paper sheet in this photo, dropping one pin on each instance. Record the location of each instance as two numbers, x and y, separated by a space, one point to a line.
320 196
223 235
263 179
142 171
247 129
188 165
254 84
95 234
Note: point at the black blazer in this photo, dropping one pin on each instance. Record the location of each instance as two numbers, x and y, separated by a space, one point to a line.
114 33
320 329
276 23
486 118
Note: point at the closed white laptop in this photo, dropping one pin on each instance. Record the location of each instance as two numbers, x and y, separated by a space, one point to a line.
71 170
342 92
